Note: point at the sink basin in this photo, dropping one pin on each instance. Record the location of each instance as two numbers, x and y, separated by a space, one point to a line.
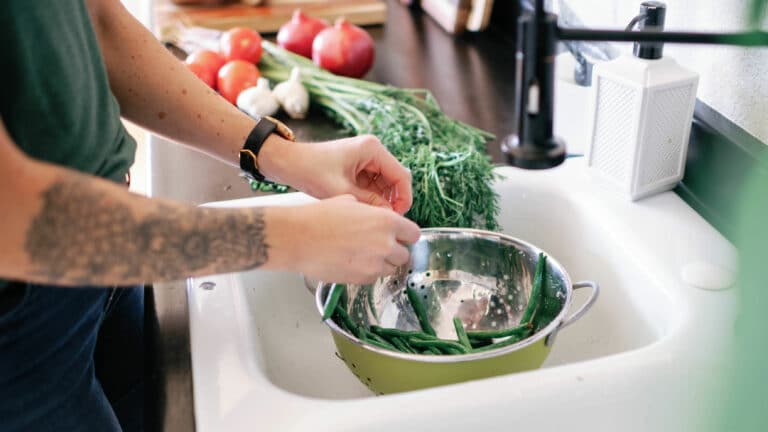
261 355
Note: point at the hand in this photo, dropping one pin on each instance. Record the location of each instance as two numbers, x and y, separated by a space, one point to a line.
342 240
360 166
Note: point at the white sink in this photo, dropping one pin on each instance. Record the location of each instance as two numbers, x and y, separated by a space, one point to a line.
263 360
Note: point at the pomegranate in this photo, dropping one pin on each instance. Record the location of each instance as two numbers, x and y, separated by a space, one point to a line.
344 49
297 34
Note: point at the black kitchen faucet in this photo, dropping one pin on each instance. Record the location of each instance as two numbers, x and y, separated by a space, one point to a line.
532 144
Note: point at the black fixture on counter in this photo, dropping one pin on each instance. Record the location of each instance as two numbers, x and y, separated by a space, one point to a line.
532 144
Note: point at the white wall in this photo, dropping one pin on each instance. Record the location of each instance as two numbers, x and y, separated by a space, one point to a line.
141 9
734 81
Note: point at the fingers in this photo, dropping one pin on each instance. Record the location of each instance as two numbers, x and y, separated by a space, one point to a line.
388 174
402 196
407 232
399 256
388 269
382 233
370 197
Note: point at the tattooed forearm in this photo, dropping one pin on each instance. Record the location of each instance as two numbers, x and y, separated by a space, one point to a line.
84 235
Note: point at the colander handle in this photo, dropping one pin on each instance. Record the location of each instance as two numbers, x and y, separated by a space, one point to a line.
581 311
587 304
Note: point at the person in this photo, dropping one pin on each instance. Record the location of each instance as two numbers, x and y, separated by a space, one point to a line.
74 239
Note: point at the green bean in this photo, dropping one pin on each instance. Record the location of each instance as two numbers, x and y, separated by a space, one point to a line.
506 342
538 282
347 321
374 335
461 333
432 350
440 343
421 311
408 345
453 351
344 299
373 339
401 345
377 338
333 300
340 322
479 342
495 334
393 332
378 344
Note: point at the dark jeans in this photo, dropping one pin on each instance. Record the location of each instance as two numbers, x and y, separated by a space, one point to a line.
71 359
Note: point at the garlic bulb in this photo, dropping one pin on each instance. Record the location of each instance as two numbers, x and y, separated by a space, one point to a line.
258 101
292 95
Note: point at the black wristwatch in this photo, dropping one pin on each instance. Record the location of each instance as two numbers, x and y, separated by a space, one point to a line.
249 154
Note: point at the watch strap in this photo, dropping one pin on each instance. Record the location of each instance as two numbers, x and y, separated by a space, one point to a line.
249 154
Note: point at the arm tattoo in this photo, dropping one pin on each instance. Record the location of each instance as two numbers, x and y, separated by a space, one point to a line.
83 236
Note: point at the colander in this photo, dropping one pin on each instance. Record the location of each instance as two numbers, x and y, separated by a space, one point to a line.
485 279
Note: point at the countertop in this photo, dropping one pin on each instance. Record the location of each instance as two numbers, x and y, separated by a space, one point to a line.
472 77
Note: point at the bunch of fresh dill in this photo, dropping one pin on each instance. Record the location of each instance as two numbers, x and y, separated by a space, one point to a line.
452 175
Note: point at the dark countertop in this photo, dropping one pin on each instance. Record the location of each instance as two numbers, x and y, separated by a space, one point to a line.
472 77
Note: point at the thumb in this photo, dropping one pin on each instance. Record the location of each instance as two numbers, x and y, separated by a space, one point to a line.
371 198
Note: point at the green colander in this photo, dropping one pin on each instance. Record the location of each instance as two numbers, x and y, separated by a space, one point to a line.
482 277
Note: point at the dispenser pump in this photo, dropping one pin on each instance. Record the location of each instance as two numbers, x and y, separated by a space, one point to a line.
652 15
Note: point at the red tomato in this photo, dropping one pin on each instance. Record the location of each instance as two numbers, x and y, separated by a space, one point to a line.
209 60
236 76
206 74
241 43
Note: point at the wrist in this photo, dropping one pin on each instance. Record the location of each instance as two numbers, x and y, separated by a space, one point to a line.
282 226
274 158
260 163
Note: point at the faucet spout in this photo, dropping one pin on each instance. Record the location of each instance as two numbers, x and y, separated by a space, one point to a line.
532 145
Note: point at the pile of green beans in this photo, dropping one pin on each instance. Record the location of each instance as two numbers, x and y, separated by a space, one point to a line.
267 186
425 341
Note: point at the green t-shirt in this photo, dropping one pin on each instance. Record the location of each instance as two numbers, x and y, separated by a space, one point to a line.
56 102
55 98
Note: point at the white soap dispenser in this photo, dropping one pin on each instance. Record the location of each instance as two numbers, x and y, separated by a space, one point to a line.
643 107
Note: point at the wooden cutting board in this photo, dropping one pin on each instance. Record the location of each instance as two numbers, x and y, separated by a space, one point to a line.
265 18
